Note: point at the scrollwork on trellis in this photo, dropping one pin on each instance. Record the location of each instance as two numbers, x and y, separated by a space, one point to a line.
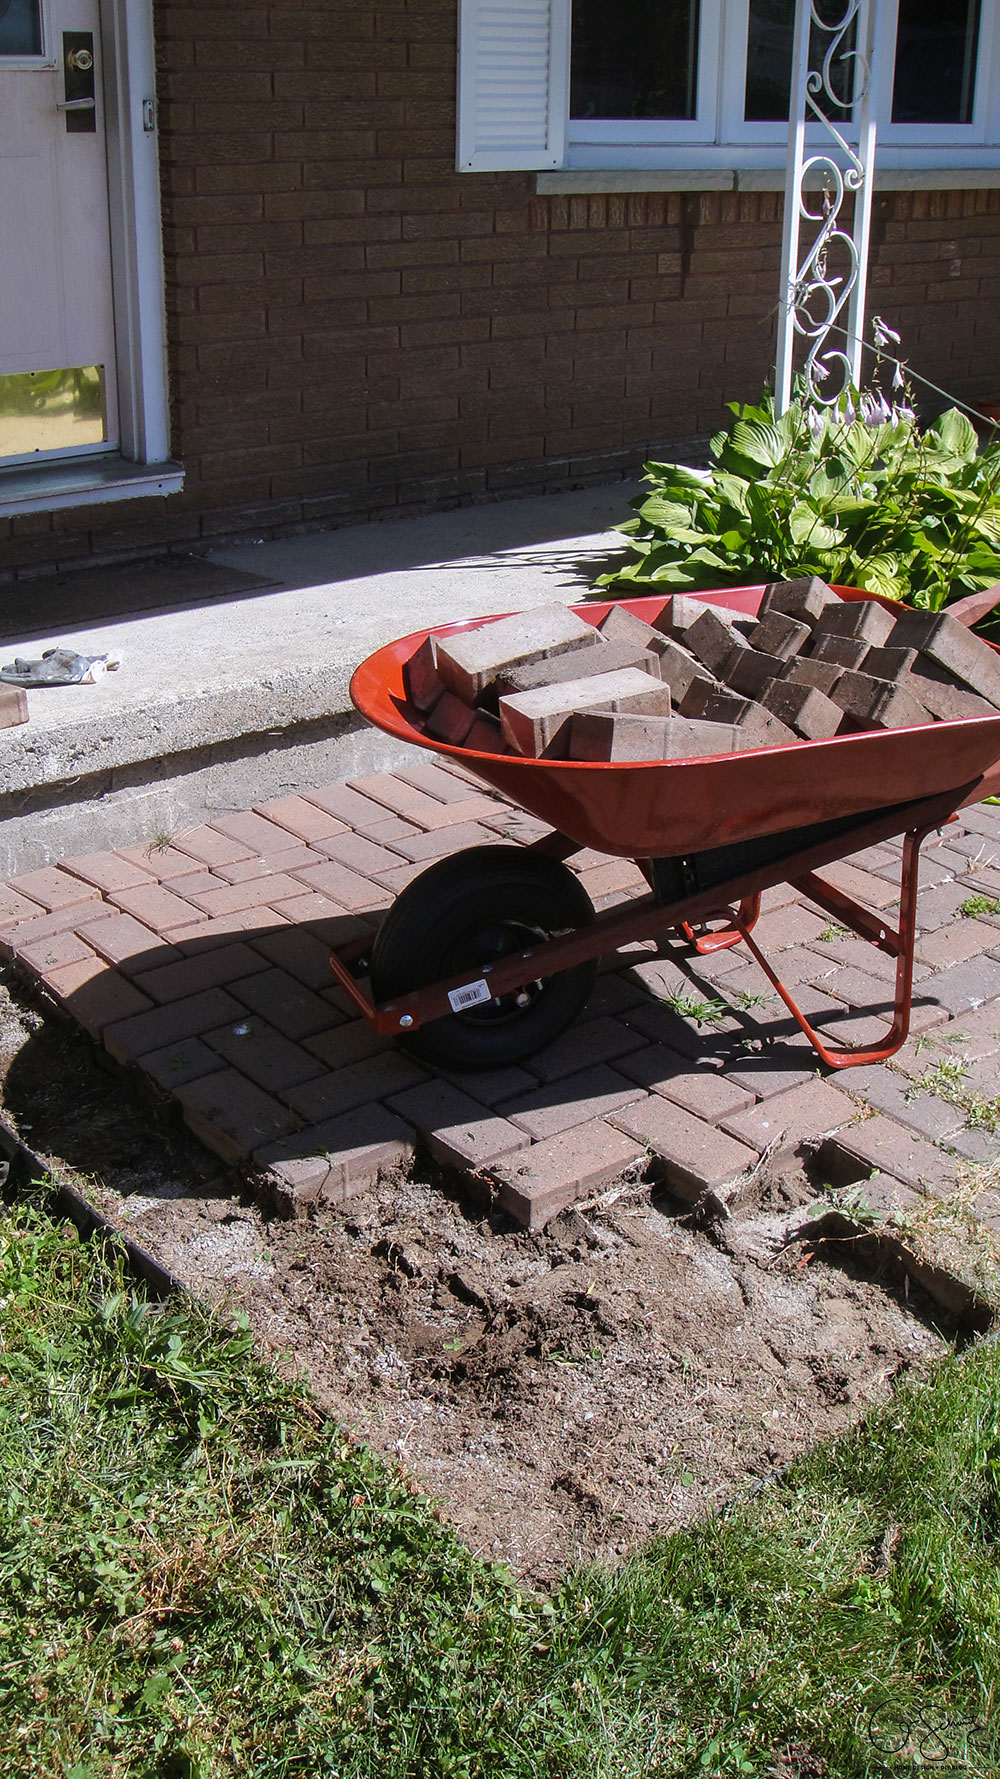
821 285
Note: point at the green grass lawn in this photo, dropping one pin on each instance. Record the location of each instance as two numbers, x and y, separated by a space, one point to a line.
200 1577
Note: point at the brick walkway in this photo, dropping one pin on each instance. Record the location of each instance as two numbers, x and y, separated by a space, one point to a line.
203 962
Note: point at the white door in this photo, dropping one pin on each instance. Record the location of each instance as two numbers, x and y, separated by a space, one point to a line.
57 362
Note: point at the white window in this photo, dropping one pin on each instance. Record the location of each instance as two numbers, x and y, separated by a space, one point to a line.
648 84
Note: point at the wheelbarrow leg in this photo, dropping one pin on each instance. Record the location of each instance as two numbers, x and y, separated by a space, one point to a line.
898 942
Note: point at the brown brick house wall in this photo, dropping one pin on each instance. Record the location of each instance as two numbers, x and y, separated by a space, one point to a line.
355 328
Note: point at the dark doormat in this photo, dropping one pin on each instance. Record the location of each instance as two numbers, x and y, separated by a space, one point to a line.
85 596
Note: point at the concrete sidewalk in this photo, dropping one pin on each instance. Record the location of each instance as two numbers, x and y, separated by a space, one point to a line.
239 691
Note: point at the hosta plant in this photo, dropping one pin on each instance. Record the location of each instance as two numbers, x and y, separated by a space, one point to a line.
857 494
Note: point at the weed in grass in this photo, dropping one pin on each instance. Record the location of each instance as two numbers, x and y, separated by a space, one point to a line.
974 905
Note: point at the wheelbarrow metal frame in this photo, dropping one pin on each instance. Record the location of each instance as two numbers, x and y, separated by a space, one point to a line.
735 899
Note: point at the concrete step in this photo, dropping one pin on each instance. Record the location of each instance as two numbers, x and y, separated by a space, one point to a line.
239 690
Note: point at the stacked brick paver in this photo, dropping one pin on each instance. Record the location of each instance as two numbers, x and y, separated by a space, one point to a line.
204 962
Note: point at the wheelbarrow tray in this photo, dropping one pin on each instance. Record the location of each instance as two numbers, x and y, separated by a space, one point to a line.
668 808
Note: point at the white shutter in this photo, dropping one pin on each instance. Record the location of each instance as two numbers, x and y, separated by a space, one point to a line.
513 84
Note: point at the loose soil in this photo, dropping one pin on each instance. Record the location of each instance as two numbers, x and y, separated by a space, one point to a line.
563 1395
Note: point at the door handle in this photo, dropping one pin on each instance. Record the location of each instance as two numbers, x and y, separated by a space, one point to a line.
79 101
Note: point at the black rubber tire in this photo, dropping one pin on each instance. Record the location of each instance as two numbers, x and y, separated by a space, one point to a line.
466 911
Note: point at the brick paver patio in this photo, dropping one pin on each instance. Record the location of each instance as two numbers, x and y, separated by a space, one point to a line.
204 963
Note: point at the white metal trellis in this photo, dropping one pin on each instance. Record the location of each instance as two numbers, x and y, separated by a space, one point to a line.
824 277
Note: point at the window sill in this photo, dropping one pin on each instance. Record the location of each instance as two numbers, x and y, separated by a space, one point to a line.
569 181
82 482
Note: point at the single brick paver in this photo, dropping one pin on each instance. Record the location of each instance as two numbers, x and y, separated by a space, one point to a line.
457 1129
792 1124
54 888
301 953
305 820
15 907
345 887
540 1181
232 1115
954 944
573 1099
156 907
122 940
707 1093
443 786
375 1078
228 964
109 871
234 898
211 846
587 1042
359 854
294 1009
95 995
205 961
883 1145
329 1162
700 1163
177 1064
346 1044
263 1054
271 864
313 912
253 831
963 987
51 953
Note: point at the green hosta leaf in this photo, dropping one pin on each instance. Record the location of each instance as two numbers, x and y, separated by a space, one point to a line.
710 559
880 574
806 527
734 489
759 443
659 510
679 475
957 434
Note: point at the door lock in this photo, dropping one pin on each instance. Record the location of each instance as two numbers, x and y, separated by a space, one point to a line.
80 93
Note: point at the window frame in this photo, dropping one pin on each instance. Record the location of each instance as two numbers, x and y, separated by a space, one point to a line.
721 138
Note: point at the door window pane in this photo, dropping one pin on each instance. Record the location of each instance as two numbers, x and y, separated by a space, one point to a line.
935 62
634 58
52 410
20 27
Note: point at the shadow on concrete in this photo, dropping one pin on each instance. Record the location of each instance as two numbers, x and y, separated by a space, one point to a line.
553 533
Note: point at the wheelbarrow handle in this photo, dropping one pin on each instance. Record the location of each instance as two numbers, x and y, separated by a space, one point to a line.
974 606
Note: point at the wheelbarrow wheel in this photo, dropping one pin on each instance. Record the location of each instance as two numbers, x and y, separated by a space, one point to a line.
470 910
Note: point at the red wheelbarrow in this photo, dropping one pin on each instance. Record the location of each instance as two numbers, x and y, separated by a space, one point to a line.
491 953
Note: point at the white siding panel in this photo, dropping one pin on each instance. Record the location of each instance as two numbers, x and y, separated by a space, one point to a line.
513 83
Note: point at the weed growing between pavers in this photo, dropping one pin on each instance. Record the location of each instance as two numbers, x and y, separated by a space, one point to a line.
200 1577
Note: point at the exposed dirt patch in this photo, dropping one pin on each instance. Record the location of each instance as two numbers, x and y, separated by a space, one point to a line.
564 1395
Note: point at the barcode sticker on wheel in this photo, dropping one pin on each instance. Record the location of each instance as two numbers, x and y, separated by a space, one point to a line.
471 995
